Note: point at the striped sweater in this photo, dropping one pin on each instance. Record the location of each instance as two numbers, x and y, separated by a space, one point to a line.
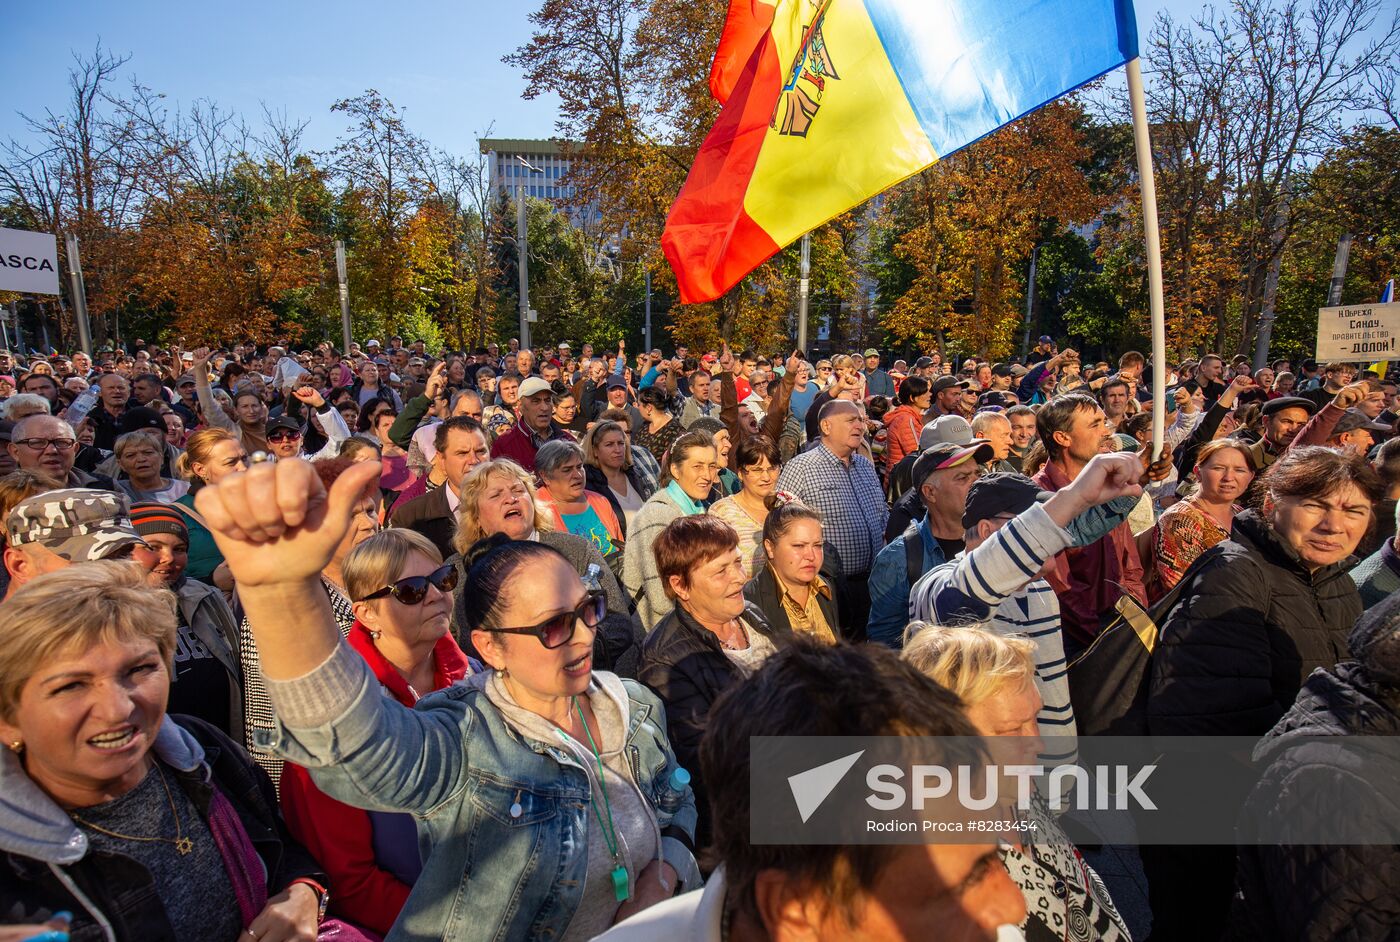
996 586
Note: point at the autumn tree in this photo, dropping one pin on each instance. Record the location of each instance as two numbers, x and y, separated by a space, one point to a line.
632 77
1242 103
1355 189
79 171
959 234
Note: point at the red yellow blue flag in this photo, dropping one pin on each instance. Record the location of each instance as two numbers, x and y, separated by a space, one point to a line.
830 102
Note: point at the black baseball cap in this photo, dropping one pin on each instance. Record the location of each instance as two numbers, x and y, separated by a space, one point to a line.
1001 492
283 421
133 420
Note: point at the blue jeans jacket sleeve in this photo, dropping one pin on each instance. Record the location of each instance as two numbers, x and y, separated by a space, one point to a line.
374 753
1097 522
889 596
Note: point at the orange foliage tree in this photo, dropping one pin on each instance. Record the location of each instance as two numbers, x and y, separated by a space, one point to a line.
966 227
223 285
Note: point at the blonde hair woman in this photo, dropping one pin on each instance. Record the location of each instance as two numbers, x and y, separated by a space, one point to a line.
210 455
499 497
1186 529
150 814
994 676
609 470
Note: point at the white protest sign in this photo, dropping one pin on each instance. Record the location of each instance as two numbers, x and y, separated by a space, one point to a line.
28 262
1356 332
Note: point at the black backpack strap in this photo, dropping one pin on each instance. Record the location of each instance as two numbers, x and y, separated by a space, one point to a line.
913 553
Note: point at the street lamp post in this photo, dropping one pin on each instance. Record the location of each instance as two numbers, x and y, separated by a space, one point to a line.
522 241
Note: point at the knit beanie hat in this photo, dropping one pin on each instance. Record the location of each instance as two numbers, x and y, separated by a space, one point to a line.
150 516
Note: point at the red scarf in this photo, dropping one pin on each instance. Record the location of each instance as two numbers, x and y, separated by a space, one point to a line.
449 664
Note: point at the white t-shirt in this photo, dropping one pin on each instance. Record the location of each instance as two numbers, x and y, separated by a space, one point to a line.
629 500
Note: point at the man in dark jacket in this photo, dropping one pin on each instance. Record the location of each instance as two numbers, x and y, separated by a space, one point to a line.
1321 783
461 446
114 397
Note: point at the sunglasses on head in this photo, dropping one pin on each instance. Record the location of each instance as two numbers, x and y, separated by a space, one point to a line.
414 589
558 630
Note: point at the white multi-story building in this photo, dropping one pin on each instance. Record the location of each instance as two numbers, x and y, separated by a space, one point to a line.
511 177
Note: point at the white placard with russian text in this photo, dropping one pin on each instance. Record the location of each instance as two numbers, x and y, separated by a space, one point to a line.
1356 333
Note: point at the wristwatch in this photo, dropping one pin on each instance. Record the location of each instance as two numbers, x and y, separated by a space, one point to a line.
323 896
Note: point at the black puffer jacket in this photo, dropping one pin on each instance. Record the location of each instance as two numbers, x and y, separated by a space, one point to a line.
1321 777
1251 626
683 662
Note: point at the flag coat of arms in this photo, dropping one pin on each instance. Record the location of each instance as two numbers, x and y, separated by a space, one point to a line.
827 103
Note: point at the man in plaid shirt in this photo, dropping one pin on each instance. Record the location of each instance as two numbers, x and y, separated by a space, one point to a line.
836 479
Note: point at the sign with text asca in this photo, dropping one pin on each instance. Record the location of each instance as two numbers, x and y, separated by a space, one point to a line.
1356 332
28 262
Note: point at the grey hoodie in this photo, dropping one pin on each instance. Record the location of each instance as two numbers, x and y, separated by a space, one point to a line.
33 825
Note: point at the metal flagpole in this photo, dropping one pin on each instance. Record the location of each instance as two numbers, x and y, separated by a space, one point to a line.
340 274
1142 141
804 289
1339 270
648 311
79 289
1030 303
522 251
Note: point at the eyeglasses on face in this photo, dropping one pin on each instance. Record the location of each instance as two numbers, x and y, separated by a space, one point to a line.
42 444
414 589
558 630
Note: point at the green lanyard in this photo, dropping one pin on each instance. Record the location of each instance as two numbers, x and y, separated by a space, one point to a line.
619 872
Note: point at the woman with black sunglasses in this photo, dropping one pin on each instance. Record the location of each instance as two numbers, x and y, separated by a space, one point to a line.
402 598
550 798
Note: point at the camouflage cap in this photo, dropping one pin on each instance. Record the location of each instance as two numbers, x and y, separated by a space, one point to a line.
79 524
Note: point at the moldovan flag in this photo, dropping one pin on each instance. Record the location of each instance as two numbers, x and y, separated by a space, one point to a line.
830 102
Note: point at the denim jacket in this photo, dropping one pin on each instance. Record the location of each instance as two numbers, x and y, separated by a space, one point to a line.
502 820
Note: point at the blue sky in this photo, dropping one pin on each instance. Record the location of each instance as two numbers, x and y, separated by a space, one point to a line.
438 61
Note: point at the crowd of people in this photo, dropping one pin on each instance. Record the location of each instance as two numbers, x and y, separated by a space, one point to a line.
390 643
